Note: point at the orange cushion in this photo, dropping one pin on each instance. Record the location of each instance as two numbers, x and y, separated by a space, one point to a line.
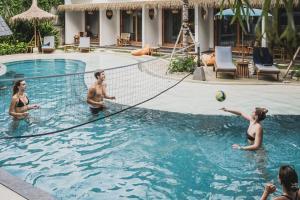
209 59
140 52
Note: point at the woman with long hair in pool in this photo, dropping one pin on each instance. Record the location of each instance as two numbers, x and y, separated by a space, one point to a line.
19 105
288 178
254 133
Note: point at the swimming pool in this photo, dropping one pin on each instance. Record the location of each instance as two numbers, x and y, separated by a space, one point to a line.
147 154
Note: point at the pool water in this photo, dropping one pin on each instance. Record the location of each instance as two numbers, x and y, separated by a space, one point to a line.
54 94
147 154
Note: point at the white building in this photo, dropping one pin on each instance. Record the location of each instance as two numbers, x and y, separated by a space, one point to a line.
153 22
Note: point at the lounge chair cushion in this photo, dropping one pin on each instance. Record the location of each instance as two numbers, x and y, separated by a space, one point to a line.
224 59
267 68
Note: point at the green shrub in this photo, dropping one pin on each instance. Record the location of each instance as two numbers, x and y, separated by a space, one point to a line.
182 64
297 73
7 48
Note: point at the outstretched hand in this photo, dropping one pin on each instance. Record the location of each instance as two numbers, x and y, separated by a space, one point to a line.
270 188
224 109
236 146
35 106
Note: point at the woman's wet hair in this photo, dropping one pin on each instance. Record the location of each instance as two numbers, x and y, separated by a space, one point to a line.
16 85
98 72
261 113
288 178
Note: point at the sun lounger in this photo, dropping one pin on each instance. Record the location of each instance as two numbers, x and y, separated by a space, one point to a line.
48 44
84 43
263 62
223 61
124 39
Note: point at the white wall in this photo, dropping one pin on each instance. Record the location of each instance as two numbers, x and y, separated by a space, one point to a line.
202 30
210 18
109 28
74 23
160 29
150 33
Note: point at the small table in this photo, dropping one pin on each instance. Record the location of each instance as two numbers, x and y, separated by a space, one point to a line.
242 68
68 46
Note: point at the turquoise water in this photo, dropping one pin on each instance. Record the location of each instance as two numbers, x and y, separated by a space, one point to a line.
145 154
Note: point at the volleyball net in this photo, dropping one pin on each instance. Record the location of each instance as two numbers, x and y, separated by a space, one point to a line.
63 98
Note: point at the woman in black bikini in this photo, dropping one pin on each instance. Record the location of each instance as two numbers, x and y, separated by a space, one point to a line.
288 178
254 133
19 105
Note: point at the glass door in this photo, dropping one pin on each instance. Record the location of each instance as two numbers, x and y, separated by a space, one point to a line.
171 25
131 22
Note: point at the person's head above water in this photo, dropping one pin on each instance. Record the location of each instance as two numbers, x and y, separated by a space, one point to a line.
20 85
99 74
288 178
259 114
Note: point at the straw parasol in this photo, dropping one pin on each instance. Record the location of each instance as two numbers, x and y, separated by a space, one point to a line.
34 14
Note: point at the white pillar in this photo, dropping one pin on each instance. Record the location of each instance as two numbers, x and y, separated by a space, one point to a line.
74 23
143 25
210 17
109 28
160 22
263 29
150 33
202 30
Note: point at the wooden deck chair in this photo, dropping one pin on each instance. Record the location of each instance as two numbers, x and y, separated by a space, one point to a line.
124 39
84 44
48 44
223 61
263 62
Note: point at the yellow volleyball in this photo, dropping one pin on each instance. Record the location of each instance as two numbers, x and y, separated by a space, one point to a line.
220 95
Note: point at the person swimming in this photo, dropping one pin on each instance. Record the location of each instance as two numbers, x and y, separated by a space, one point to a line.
254 133
19 105
288 178
97 93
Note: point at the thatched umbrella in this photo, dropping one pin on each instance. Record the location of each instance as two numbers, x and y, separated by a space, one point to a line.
33 14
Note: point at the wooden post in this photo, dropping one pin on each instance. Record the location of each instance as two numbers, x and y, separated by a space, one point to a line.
292 62
34 23
185 26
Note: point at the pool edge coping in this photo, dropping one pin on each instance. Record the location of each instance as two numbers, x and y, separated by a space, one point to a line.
22 188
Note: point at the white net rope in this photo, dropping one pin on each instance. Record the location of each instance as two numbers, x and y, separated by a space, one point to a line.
62 98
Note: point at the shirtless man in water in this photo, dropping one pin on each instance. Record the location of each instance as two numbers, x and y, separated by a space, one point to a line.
97 93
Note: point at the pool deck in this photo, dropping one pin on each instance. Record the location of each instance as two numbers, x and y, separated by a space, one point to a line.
197 97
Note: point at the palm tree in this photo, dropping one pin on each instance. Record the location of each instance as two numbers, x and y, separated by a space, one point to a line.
185 27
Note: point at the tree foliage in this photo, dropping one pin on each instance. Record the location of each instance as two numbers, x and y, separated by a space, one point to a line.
289 38
23 31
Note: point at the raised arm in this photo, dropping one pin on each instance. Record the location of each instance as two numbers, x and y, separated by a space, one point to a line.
105 93
244 115
269 189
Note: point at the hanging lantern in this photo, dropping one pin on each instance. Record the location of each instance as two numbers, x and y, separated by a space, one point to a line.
109 14
129 12
175 11
151 13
